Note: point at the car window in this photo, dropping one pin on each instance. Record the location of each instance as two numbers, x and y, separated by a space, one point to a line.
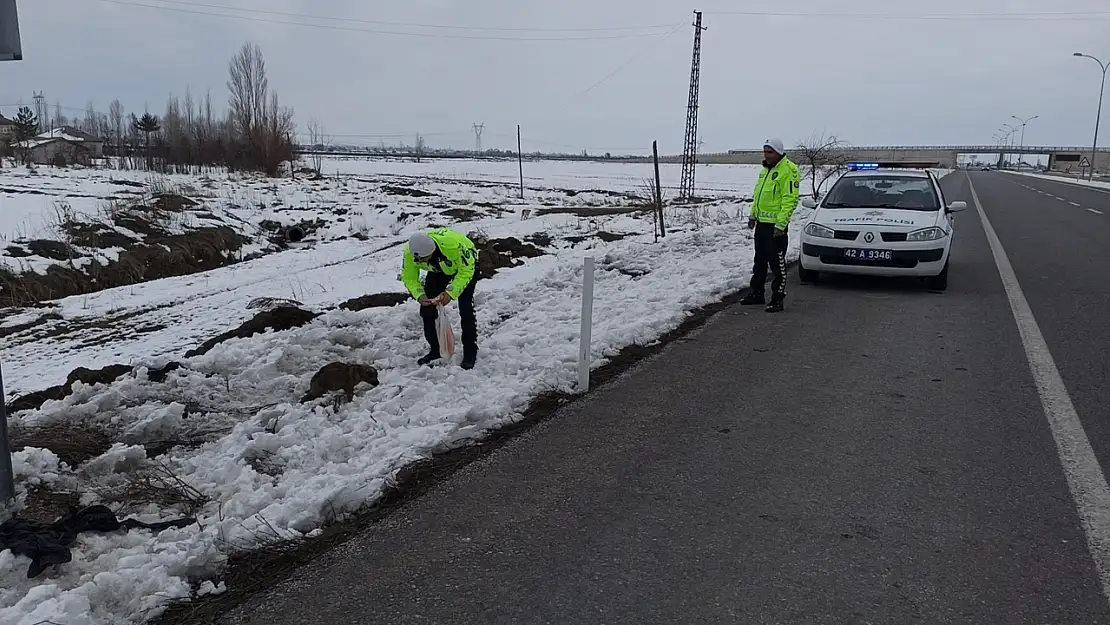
883 191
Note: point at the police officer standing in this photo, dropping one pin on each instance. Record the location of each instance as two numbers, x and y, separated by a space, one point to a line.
774 201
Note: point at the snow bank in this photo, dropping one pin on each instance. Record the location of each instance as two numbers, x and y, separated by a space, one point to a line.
1072 179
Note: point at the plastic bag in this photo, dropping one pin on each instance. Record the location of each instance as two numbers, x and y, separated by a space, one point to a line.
445 333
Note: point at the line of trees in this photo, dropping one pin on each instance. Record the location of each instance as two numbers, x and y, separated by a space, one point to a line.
256 133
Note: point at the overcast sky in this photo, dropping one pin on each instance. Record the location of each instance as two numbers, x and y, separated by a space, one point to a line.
870 80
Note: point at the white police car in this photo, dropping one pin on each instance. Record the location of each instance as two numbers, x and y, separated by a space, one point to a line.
880 221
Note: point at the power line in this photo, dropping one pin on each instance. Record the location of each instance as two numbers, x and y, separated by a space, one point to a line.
651 47
249 18
411 24
993 16
387 135
569 145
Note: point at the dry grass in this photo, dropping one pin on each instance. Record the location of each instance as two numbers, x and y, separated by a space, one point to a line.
155 484
73 443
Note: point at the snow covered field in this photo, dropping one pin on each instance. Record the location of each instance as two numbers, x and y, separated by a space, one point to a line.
225 436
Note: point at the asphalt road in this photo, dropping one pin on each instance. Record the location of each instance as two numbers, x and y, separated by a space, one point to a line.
1061 255
877 454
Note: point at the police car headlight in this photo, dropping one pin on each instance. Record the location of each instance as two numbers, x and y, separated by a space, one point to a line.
927 234
817 230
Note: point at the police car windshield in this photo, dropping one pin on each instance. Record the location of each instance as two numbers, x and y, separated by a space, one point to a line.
883 191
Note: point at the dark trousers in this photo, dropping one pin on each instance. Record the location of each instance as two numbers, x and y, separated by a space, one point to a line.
436 283
769 250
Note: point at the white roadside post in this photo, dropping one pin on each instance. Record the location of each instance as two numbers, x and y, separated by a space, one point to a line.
587 324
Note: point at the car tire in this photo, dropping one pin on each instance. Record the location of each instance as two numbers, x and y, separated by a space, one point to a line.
939 282
807 275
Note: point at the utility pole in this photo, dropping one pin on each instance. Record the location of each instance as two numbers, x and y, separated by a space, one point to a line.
690 145
478 128
40 109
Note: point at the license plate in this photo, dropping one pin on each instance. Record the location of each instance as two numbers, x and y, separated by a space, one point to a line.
857 254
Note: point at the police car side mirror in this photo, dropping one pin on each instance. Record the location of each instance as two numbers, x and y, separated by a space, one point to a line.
808 202
956 207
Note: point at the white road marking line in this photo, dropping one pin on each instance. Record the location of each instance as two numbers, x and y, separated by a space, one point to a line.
1097 212
1074 203
1060 198
1086 480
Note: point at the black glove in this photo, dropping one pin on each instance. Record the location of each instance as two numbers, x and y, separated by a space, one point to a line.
751 223
780 233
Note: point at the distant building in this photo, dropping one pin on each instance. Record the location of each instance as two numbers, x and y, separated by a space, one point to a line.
63 146
7 128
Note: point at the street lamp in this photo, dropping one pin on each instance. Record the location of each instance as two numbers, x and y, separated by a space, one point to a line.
1098 115
1023 123
999 139
1009 136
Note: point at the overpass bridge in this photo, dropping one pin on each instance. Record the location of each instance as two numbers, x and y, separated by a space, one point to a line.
1060 158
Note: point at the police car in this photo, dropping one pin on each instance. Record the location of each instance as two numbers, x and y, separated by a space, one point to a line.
880 220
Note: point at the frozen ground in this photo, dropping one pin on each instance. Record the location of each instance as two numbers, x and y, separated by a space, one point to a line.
225 436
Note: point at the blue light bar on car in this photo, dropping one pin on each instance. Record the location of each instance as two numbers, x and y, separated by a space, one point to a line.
863 165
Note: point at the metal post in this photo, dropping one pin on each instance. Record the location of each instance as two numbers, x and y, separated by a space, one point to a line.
658 189
1098 118
7 476
520 161
584 340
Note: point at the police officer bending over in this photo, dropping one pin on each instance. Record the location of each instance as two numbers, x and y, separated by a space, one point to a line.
450 258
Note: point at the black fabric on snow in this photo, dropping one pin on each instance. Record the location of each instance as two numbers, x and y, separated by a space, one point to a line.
48 544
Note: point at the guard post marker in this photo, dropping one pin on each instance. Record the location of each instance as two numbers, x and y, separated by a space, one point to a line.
587 324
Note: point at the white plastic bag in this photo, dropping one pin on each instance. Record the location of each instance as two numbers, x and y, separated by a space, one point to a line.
445 333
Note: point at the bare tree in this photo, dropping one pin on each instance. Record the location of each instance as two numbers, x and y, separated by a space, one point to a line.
249 88
59 117
822 158
418 147
89 124
316 143
263 131
115 121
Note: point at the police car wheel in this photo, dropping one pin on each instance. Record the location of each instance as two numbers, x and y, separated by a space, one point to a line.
939 282
807 275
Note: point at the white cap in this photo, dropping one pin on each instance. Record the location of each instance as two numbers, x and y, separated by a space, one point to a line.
421 245
775 144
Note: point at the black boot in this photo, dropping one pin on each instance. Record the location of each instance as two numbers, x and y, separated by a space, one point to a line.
431 357
775 306
470 354
753 298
